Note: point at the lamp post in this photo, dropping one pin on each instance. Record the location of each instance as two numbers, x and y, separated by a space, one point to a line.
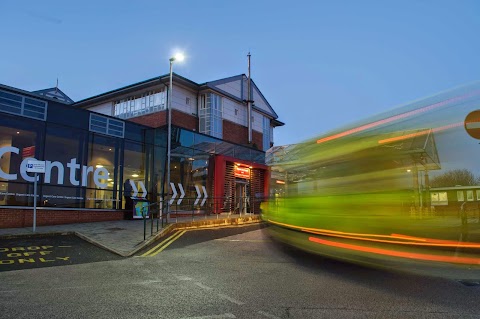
177 57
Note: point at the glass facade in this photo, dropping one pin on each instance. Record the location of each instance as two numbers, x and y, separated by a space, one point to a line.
266 133
192 161
84 169
210 115
89 170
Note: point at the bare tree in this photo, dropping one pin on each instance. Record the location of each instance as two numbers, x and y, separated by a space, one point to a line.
454 177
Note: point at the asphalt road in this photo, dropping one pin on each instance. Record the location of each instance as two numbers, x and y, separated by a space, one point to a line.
230 273
48 251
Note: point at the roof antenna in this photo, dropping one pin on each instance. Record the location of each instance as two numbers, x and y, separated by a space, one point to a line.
56 88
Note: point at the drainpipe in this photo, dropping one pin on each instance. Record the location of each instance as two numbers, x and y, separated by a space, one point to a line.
249 103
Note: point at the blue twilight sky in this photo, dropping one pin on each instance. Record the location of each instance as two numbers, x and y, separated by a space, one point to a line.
320 64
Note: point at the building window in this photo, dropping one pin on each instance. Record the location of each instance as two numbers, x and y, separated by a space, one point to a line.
107 126
146 103
266 133
187 101
22 105
460 196
470 196
210 115
439 198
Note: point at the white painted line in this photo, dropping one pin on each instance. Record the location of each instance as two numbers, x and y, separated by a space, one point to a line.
225 315
231 299
148 282
182 277
473 125
266 314
199 284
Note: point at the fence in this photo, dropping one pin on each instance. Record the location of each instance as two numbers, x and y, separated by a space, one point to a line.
196 209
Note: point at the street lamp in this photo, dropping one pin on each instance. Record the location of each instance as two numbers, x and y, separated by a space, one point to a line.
177 57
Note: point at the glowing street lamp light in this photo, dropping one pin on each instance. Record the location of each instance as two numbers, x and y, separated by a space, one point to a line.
177 57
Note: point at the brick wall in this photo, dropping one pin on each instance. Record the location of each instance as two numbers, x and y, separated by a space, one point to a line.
184 120
160 119
257 138
236 133
23 217
153 120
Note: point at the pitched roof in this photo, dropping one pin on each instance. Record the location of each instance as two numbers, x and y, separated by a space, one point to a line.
55 93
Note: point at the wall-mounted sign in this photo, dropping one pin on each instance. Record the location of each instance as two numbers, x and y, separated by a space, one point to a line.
34 166
242 172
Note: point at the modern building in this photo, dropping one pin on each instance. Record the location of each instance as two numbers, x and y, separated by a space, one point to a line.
97 148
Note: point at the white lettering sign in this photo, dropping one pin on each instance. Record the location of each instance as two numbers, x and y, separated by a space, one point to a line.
100 174
36 166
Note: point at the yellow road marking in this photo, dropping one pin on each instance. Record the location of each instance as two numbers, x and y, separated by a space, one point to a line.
159 245
168 244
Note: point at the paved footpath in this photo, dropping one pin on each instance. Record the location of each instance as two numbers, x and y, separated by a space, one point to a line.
126 237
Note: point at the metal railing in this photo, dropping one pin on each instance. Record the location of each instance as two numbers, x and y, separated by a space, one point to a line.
194 208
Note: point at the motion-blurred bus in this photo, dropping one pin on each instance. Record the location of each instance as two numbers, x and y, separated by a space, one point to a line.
401 189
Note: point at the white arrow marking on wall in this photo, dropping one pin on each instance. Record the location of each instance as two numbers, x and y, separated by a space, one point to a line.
182 193
142 187
174 194
198 195
205 193
135 189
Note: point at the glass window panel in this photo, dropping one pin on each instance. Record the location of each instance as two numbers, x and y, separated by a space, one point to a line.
9 109
16 194
65 146
204 143
469 196
35 102
33 114
62 196
182 137
242 153
11 103
101 171
134 169
10 96
460 196
23 135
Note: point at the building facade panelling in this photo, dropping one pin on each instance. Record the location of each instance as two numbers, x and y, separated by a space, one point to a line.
260 102
257 123
234 88
234 112
104 108
179 100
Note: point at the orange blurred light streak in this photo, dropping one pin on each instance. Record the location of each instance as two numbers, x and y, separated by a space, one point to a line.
395 117
407 136
423 241
402 254
432 240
